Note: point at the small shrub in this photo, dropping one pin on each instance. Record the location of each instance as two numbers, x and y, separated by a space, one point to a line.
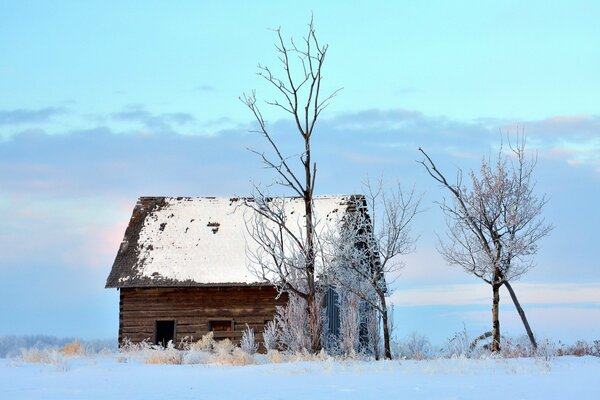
226 353
223 347
415 347
596 348
580 348
270 336
160 355
73 349
459 345
546 350
275 356
45 356
127 346
195 357
206 343
240 357
305 355
185 343
516 347
36 356
248 344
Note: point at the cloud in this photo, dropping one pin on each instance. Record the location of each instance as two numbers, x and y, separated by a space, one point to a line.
158 123
566 323
101 161
470 294
204 88
23 116
70 232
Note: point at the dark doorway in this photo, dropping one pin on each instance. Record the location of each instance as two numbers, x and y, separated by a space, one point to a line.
332 308
165 331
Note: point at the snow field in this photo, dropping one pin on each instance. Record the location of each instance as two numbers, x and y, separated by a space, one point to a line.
113 376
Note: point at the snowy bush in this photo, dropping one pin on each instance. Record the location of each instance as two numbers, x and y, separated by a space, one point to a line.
291 320
516 347
73 349
160 355
195 357
580 348
248 343
460 345
223 347
275 356
127 346
349 307
546 350
226 353
415 347
206 343
11 345
270 336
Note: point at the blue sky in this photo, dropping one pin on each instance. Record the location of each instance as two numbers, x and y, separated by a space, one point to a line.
104 102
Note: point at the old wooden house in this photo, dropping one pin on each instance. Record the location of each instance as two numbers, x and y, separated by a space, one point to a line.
182 269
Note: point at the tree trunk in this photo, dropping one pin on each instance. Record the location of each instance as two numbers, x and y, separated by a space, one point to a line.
521 314
314 309
386 328
496 318
314 316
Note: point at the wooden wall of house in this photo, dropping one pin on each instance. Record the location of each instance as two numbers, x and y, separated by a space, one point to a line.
193 309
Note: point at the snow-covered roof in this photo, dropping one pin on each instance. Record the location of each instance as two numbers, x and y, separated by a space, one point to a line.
200 241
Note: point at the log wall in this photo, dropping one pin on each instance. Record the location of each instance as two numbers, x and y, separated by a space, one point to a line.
192 309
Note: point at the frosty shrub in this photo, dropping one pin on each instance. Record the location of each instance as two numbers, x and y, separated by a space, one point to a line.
160 355
415 347
185 343
580 348
270 336
223 347
73 349
275 356
294 331
372 322
37 356
44 356
11 345
195 357
332 344
248 343
226 353
127 346
516 347
206 343
349 304
546 350
305 355
459 345
596 348
240 357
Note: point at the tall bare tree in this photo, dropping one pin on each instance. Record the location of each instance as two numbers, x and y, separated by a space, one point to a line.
298 90
494 225
366 251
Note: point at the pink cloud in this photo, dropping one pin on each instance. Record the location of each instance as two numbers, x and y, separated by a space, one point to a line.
563 120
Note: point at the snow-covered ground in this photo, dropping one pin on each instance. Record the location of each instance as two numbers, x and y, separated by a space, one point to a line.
109 377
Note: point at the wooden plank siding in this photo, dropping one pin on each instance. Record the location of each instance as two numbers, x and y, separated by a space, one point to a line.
192 309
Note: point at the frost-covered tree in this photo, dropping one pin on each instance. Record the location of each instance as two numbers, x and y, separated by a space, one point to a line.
293 256
494 223
366 251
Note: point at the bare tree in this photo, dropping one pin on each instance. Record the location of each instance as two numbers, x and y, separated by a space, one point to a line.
495 224
299 94
367 250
